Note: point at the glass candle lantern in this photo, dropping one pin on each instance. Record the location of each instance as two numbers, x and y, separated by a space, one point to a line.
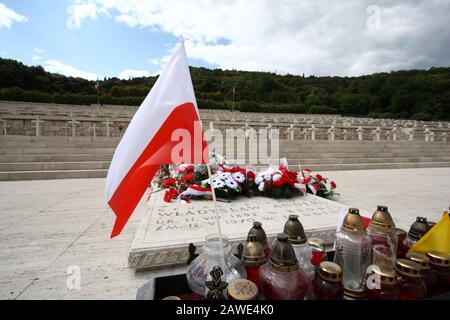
429 277
440 266
260 235
281 278
253 258
383 256
382 231
297 238
410 281
199 269
417 231
401 234
384 286
328 286
353 251
318 251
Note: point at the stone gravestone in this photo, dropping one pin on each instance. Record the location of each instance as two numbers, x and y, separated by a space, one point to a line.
166 230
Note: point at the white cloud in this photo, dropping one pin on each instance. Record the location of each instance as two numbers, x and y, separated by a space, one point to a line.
294 36
79 10
8 16
64 69
37 55
130 73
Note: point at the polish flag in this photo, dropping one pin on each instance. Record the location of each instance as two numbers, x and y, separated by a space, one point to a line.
165 130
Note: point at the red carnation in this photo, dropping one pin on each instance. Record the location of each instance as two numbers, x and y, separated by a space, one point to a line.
333 185
189 168
319 177
168 196
251 175
188 177
278 183
173 192
307 180
169 182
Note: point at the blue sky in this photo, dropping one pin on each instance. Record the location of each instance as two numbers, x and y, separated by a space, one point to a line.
102 46
97 38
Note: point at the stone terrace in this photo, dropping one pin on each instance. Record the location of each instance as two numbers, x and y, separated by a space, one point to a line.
49 141
50 226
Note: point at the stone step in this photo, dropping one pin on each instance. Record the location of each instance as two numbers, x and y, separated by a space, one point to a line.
74 157
361 160
53 174
54 166
306 155
101 173
55 150
55 157
364 148
93 165
372 166
53 144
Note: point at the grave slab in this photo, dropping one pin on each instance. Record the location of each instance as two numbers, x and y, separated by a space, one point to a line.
166 229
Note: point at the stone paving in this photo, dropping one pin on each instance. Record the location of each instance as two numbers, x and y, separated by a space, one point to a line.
49 226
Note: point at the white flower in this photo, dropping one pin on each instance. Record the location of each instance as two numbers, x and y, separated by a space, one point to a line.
219 184
261 187
283 163
226 175
276 177
259 179
238 176
268 177
231 184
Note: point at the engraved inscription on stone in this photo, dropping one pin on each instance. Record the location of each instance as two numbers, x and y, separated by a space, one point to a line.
167 228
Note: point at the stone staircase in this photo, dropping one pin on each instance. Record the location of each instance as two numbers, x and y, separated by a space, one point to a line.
42 158
39 158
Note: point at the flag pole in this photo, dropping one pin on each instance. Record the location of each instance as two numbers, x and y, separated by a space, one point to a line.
213 193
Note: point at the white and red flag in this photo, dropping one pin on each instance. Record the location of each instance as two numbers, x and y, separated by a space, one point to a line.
165 130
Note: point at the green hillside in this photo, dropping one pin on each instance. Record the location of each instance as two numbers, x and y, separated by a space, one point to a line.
413 94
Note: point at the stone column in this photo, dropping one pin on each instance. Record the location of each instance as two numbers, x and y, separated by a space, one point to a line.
66 127
108 124
94 130
376 134
38 126
5 127
411 134
331 133
344 134
360 132
74 123
269 132
291 133
313 132
394 132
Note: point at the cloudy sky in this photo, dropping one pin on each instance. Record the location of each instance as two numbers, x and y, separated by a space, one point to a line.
97 38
